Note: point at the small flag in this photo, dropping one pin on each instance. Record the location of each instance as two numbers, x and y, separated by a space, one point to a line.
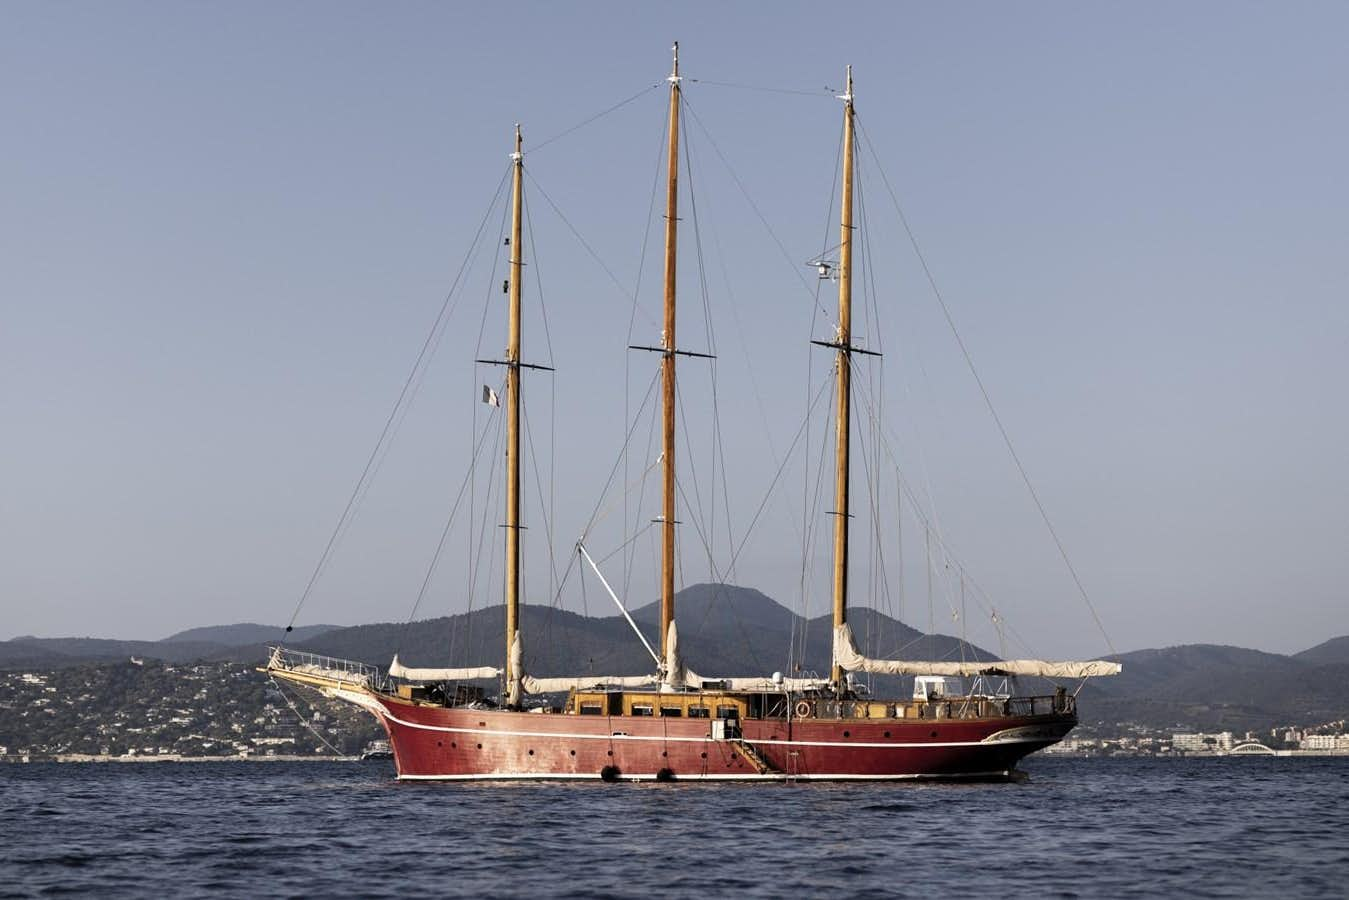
490 397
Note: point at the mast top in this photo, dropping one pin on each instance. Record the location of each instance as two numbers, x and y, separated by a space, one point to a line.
674 72
847 96
519 144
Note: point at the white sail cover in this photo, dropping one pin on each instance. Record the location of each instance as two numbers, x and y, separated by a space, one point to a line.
680 676
471 673
847 655
516 667
534 685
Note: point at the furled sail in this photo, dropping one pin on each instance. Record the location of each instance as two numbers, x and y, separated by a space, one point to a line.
471 673
847 655
678 675
517 672
534 685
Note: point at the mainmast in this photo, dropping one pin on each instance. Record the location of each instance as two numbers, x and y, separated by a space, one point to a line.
668 346
843 342
513 674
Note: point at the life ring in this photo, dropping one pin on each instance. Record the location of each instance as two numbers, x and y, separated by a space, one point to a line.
804 709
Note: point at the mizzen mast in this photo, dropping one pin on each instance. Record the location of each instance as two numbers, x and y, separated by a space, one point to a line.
512 361
668 347
843 419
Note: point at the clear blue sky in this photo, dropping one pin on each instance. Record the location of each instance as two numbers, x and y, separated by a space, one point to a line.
226 229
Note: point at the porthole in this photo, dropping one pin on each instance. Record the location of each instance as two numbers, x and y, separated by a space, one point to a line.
573 753
704 755
480 746
610 752
887 734
847 734
934 734
453 744
531 753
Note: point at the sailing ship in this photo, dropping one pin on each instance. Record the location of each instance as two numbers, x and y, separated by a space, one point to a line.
674 724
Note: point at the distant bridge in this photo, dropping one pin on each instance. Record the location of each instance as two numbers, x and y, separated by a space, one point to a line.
1252 748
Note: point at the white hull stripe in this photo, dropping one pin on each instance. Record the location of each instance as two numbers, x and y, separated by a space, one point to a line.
777 776
555 735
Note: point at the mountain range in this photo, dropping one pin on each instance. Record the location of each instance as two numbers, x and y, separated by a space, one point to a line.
729 630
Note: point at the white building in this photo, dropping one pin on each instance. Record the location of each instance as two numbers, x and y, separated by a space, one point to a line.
1325 742
1190 742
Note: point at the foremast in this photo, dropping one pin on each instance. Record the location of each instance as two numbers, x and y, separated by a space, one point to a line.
843 411
513 673
668 355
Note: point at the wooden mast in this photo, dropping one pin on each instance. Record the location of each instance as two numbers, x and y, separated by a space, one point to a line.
513 426
843 421
667 560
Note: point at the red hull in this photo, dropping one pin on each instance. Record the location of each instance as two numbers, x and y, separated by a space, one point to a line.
460 743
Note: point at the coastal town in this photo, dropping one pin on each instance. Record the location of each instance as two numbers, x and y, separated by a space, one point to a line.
140 710
147 710
1329 739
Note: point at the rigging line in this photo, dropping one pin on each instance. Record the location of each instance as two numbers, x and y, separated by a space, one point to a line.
931 619
719 444
614 470
807 559
599 115
491 283
619 549
719 591
649 418
449 522
809 521
303 721
869 406
538 282
819 93
640 480
718 449
811 507
698 513
711 346
538 485
583 242
632 318
650 220
475 558
873 501
778 474
545 499
988 400
446 310
754 206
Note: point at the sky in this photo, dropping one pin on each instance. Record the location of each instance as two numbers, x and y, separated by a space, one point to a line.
227 230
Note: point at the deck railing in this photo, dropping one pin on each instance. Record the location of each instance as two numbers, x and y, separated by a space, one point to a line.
346 671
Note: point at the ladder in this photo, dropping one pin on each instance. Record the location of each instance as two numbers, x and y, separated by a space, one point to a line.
761 765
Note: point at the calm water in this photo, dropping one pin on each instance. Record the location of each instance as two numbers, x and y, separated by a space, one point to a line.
1116 828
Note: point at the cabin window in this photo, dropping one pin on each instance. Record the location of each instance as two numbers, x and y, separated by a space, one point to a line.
592 709
671 711
728 712
642 709
698 712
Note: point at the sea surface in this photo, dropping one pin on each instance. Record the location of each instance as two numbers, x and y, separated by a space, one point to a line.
1223 827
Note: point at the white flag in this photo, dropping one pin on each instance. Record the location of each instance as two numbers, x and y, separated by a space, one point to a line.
490 397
